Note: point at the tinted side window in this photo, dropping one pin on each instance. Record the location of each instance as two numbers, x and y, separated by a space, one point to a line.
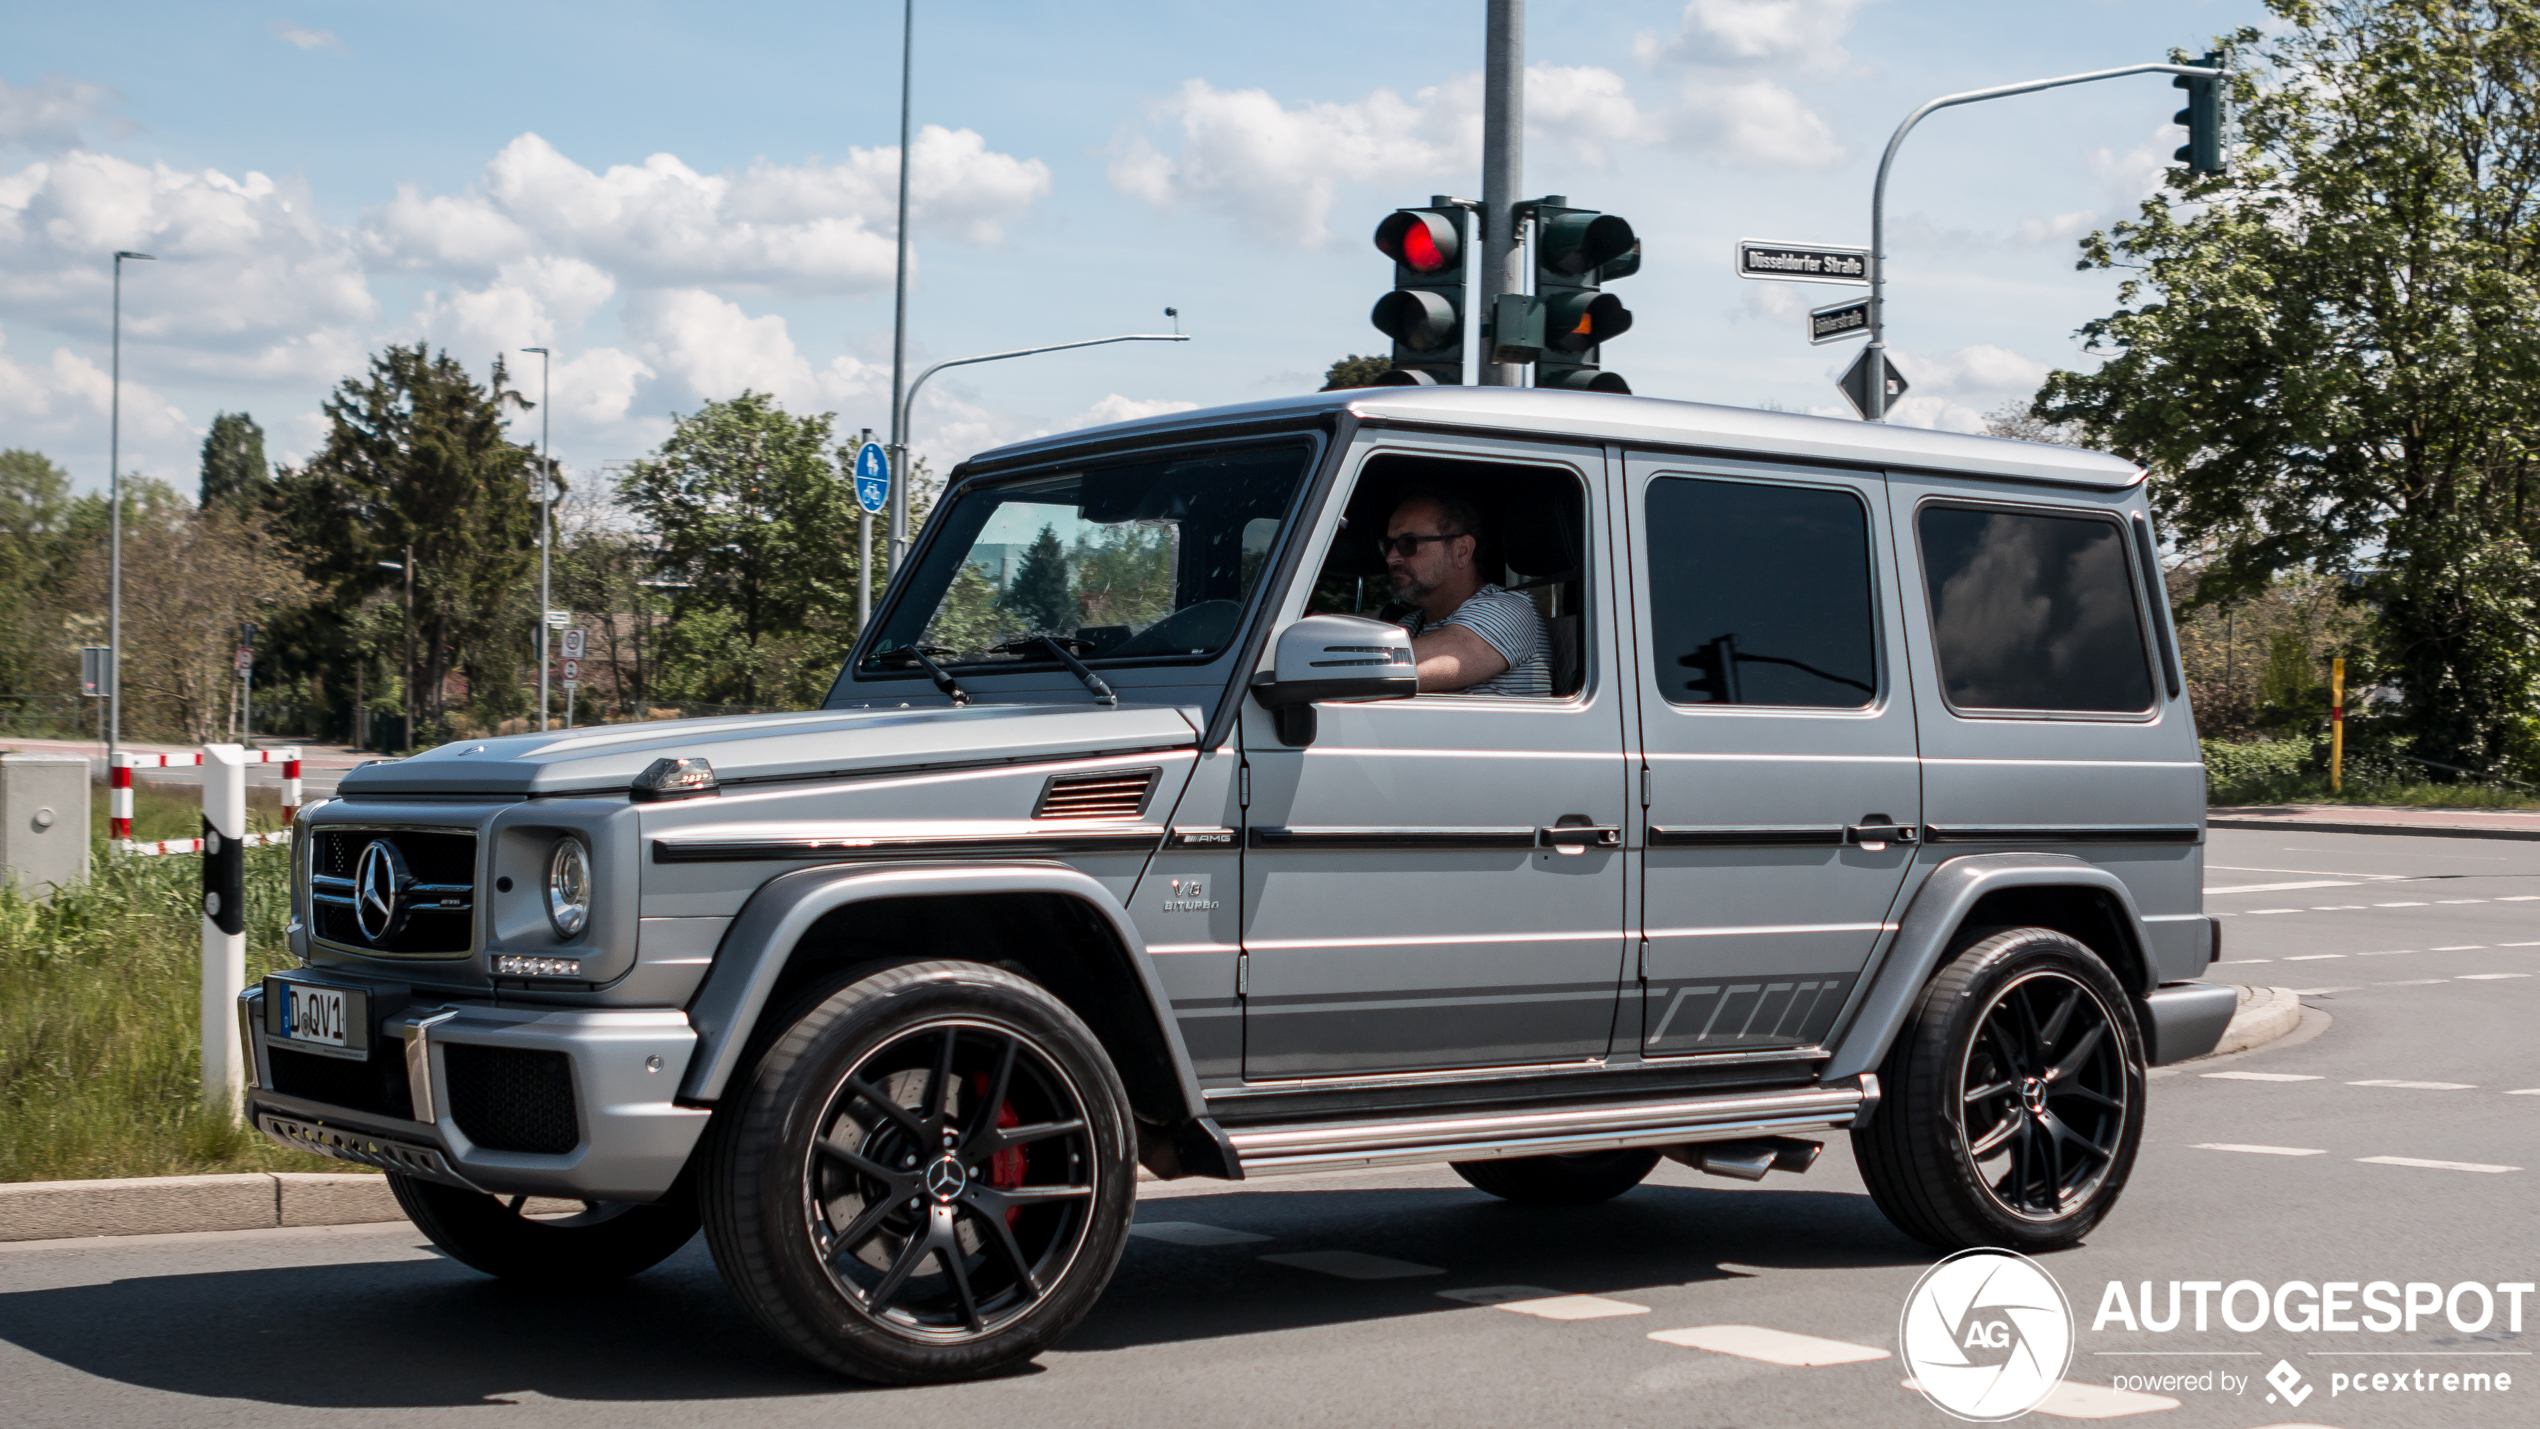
1760 595
2033 612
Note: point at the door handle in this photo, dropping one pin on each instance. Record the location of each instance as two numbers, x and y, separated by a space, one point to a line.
1881 834
1579 836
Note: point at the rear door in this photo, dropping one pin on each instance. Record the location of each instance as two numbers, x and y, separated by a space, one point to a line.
1776 728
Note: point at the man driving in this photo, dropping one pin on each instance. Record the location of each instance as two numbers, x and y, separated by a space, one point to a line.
1470 636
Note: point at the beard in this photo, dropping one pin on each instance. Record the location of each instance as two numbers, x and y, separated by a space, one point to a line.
1409 589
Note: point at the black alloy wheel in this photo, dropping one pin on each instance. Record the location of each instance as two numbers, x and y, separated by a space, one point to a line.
2013 1098
951 1182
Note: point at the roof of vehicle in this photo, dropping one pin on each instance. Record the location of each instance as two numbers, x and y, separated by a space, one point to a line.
1641 421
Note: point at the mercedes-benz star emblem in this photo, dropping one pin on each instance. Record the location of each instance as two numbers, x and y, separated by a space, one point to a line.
379 892
946 1180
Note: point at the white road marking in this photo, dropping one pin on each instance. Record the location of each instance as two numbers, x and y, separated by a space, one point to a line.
2525 1092
2398 905
2433 1165
2315 872
2461 948
2389 953
1544 1304
2257 1150
2521 898
2517 945
2489 977
2420 1086
2460 900
2321 991
2338 907
1754 1342
2262 912
2071 1399
2312 957
2414 982
2283 887
1191 1233
2234 962
1352 1265
2259 1076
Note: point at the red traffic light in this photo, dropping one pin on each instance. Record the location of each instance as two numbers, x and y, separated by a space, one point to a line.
1423 241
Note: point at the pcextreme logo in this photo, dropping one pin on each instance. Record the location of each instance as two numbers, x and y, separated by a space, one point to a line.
1987 1334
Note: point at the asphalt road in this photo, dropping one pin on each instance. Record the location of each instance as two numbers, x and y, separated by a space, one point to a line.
2422 957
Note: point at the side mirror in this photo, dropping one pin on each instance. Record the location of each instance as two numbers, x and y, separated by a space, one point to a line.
1334 658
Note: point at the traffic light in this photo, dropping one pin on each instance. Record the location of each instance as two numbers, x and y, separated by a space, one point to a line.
2202 153
1576 252
1424 314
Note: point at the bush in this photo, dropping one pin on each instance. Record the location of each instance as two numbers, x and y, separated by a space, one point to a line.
2253 772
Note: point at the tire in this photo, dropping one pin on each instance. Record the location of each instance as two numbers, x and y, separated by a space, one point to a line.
2013 1099
605 1240
1580 1179
928 1176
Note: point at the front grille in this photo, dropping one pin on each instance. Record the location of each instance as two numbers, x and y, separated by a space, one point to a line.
1108 794
440 894
377 1085
512 1099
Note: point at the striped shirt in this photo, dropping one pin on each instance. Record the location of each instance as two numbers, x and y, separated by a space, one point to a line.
1509 624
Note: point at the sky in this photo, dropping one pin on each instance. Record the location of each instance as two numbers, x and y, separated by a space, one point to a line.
686 201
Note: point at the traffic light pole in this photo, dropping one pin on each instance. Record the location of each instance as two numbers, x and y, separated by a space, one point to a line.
1877 393
1503 169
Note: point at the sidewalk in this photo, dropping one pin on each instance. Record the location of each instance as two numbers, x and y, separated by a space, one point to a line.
2381 819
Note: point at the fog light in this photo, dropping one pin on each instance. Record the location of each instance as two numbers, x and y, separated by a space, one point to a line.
507 965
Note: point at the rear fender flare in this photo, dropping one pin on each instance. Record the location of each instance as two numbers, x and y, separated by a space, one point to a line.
1940 906
755 949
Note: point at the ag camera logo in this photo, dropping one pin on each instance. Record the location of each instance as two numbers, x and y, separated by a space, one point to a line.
1987 1334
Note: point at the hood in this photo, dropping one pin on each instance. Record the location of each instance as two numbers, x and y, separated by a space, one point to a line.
759 748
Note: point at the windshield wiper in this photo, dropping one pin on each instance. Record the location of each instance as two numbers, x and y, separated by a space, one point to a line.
1102 692
911 654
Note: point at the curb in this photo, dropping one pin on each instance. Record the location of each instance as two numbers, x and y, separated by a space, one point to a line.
158 1205
2339 826
2265 1014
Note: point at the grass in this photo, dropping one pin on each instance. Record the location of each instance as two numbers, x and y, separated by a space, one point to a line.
2313 789
100 1006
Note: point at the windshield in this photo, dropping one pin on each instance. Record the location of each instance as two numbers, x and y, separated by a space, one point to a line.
1147 560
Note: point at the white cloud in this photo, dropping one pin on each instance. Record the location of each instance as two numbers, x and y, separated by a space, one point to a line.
50 113
1781 33
1116 408
1753 124
532 301
1952 391
1727 107
299 37
1277 169
705 348
67 396
812 227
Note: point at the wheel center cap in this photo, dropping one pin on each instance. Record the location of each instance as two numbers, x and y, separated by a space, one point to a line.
2033 1095
946 1178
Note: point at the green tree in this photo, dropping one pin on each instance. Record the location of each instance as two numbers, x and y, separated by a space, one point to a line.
234 471
2326 355
750 505
40 542
1355 371
417 459
1038 597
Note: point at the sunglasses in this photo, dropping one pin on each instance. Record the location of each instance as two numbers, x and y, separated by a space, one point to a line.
1406 545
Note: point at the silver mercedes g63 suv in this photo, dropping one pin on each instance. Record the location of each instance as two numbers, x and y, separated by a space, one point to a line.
1849 785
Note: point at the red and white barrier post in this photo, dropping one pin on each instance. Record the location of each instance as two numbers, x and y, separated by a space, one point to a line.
224 924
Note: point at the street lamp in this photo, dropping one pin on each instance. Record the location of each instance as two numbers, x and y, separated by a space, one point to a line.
897 538
114 526
546 496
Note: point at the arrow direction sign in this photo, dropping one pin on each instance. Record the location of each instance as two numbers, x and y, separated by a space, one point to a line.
1803 262
1866 369
872 478
1836 321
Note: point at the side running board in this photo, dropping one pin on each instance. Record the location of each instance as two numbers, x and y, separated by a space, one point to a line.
1330 1146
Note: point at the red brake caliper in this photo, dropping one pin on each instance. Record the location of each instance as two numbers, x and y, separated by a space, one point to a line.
1005 1168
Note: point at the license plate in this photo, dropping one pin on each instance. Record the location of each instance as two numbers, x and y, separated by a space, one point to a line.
314 1014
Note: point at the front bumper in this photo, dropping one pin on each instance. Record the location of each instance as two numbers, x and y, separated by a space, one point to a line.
628 1138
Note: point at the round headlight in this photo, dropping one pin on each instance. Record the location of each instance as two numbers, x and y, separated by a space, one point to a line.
569 887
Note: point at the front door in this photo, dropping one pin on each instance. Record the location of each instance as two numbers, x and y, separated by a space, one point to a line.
1782 786
1404 907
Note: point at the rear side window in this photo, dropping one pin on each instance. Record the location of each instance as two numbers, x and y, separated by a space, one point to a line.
2033 612
1760 595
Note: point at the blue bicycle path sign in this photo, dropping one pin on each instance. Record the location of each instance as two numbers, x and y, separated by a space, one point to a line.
872 478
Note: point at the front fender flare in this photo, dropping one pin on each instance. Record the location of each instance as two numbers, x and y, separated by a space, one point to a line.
754 951
1922 936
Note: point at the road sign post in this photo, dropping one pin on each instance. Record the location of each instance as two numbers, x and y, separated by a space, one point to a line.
1872 383
224 925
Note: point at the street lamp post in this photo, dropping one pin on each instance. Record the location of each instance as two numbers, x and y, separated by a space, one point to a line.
407 569
114 525
1877 385
546 497
897 541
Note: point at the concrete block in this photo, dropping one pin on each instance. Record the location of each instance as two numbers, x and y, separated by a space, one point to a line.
155 1205
44 821
331 1199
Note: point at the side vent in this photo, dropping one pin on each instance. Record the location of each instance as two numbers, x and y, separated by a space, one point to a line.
1107 794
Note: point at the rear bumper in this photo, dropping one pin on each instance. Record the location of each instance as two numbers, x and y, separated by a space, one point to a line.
2186 1019
630 1140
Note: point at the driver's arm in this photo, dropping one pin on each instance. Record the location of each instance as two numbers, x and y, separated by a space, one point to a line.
1452 658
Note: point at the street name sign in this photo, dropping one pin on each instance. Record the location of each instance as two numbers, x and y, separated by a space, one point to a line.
872 478
1836 321
1803 262
1866 369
